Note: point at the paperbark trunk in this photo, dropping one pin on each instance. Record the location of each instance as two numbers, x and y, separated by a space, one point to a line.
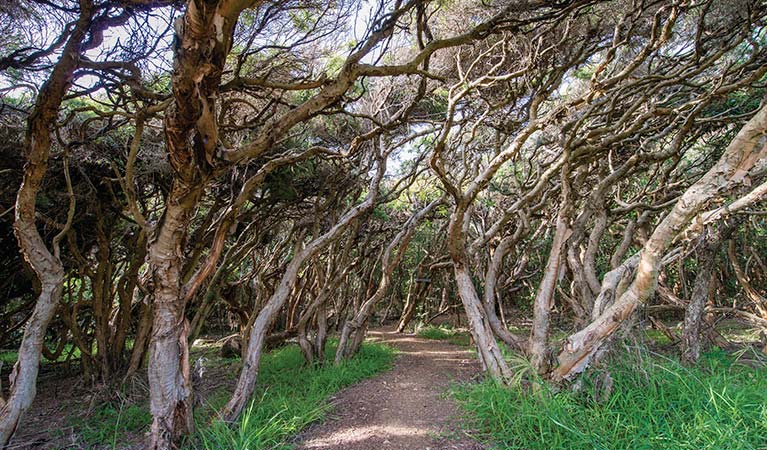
170 389
544 299
489 296
484 339
202 42
44 262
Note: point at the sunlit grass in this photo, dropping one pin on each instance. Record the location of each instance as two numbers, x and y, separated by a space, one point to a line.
656 403
445 333
289 397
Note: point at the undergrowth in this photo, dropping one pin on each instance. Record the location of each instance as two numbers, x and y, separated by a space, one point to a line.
107 425
289 396
655 403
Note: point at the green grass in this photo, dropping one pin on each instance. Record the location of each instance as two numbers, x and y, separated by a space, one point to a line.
445 333
108 424
70 351
657 337
289 397
9 357
656 403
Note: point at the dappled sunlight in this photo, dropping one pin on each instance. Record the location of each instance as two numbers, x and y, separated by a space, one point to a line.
357 434
435 352
405 408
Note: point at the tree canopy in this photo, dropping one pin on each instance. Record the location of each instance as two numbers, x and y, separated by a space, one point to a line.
299 169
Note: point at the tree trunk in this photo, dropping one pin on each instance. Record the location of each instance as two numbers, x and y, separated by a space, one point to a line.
127 288
702 287
353 331
44 263
170 388
141 341
202 42
487 347
101 300
544 299
322 333
693 316
760 303
413 294
489 296
252 358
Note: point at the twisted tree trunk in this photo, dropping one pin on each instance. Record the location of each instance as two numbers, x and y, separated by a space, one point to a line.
416 290
252 358
742 154
693 316
203 41
353 331
170 388
44 262
544 299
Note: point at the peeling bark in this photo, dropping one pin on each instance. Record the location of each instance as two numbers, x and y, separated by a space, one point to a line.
170 389
484 339
203 41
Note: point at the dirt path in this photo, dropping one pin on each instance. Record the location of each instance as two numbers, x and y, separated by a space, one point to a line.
403 409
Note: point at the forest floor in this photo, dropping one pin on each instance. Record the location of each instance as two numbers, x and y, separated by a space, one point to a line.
406 407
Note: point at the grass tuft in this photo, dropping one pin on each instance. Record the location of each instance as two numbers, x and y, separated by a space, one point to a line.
656 403
109 423
445 333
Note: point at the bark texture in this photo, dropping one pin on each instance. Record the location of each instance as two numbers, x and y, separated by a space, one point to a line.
701 290
203 41
44 262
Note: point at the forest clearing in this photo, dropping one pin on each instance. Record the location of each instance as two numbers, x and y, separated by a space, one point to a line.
383 224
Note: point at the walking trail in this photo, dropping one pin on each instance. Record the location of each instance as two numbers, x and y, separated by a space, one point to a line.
405 408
